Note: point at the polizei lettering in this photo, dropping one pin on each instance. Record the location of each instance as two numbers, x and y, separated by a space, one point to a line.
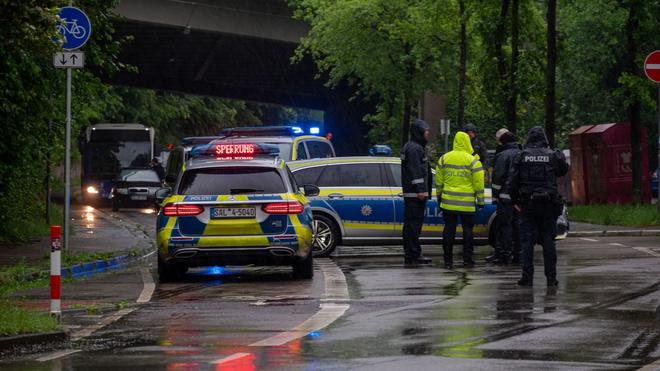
537 158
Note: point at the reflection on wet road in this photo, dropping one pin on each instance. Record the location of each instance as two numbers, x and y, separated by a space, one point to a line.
604 315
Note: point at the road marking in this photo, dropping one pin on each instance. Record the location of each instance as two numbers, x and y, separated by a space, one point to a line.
56 355
655 366
336 289
617 244
588 239
104 322
648 251
148 288
232 357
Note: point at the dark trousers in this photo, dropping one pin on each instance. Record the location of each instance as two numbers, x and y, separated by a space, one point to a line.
507 243
449 234
413 219
538 223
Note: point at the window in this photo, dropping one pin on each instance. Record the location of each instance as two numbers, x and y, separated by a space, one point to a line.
135 175
308 176
224 181
301 154
318 149
395 170
351 175
292 180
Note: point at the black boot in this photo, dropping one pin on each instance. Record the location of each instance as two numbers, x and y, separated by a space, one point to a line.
525 281
492 258
552 282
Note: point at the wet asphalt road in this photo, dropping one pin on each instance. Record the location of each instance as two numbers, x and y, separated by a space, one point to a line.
604 315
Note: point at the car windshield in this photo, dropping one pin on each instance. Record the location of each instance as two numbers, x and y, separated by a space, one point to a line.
225 181
138 175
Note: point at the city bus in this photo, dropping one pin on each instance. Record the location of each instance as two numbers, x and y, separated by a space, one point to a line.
106 149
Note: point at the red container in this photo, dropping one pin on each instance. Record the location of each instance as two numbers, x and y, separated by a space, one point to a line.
607 163
579 181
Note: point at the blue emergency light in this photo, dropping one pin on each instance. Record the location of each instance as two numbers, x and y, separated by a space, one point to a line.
314 130
297 130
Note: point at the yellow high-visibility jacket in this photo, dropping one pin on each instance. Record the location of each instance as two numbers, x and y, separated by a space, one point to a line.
459 178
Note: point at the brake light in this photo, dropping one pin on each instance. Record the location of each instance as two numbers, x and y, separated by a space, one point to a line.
182 210
291 207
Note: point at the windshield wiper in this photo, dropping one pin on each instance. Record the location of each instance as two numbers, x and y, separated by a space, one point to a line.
235 191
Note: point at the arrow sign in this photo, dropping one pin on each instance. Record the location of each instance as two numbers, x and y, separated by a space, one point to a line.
69 60
652 66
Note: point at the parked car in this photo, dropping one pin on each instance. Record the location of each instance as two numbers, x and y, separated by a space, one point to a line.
361 202
135 186
235 210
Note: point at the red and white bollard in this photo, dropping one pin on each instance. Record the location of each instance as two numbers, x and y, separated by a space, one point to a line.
55 270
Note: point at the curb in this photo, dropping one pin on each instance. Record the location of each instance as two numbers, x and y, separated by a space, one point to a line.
617 233
26 340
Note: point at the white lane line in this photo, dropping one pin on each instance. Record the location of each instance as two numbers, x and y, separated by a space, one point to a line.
336 289
648 251
56 355
588 239
104 322
655 366
231 358
148 288
617 244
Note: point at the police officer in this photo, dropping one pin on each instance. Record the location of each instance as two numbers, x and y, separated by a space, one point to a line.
158 168
532 186
478 145
507 241
415 180
459 179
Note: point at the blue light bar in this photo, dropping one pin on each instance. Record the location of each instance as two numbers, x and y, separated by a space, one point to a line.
297 130
314 130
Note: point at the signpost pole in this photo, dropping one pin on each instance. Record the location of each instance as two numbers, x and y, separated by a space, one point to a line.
67 162
658 144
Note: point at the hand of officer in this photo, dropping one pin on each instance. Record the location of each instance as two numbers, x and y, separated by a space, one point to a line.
421 196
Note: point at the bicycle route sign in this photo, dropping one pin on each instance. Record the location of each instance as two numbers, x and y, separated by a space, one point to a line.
75 27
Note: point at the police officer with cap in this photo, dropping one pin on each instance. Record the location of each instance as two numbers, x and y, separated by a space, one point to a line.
416 183
532 186
478 145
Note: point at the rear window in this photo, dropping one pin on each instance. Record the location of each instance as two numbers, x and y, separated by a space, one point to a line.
225 181
131 175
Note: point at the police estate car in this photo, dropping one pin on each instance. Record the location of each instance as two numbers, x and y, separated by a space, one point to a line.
234 208
361 202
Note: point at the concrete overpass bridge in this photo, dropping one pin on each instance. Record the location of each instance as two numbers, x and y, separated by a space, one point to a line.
238 49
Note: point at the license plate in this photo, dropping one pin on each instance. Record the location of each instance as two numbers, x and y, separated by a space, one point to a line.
139 197
233 212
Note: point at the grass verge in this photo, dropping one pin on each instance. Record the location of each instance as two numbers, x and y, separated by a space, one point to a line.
615 214
15 321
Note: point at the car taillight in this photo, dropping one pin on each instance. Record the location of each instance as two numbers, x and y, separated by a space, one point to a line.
182 210
291 207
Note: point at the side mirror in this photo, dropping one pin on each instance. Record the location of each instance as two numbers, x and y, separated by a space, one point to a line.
163 193
311 190
170 178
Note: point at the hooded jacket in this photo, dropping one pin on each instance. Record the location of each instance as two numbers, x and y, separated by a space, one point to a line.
535 170
504 155
415 167
459 178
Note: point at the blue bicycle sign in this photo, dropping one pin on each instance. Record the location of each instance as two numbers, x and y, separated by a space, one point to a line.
75 27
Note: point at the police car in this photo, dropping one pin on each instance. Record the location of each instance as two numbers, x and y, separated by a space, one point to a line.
290 141
361 202
235 205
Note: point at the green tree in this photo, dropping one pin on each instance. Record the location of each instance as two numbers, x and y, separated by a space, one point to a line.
391 50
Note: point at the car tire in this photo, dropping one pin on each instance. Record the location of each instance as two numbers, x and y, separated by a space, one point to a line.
326 236
304 269
170 272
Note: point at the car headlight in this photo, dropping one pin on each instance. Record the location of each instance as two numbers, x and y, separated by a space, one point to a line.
92 189
122 191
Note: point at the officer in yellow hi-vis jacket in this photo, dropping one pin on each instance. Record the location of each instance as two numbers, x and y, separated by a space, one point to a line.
459 178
